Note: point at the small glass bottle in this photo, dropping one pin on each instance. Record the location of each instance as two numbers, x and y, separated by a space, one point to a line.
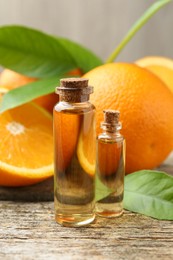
110 166
74 139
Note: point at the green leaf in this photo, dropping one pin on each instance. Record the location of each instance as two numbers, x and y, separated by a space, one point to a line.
102 191
149 193
26 93
38 54
85 59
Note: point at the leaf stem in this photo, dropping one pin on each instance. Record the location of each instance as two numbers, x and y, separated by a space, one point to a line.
136 27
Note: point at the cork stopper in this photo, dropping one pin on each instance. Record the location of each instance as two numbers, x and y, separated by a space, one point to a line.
72 83
111 120
74 90
111 116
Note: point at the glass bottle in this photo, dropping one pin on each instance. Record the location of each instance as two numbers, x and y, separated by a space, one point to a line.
110 166
74 139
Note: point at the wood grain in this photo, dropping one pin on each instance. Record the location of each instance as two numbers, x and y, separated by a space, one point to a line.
39 192
28 231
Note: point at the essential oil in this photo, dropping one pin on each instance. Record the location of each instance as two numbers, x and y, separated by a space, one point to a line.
74 138
110 165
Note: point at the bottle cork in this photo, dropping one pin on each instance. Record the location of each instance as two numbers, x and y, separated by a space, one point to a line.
74 90
111 117
72 83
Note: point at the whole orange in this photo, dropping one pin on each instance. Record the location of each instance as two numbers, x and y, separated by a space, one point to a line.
146 107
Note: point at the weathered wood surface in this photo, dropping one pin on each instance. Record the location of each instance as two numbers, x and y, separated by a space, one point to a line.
39 192
28 231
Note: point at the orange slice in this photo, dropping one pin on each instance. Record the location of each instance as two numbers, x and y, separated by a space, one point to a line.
86 144
26 145
160 66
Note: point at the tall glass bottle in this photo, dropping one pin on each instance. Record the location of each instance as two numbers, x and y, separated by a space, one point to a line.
74 138
110 166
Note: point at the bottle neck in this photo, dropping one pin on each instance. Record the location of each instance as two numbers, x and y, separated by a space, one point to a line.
109 128
113 135
111 132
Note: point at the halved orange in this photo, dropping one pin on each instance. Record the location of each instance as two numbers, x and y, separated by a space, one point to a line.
86 149
160 66
26 145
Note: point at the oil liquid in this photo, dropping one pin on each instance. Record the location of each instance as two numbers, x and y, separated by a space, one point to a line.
110 172
74 186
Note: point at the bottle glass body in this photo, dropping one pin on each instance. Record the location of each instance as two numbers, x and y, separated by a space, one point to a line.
110 169
74 186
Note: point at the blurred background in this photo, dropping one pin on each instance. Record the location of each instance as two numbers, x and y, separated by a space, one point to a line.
97 24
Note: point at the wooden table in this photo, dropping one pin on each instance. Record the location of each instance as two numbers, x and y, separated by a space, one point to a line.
28 231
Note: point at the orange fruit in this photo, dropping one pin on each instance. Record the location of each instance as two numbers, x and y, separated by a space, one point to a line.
26 145
10 80
47 101
160 66
86 144
75 72
146 107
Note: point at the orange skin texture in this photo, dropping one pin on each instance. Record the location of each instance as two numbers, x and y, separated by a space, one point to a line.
146 111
